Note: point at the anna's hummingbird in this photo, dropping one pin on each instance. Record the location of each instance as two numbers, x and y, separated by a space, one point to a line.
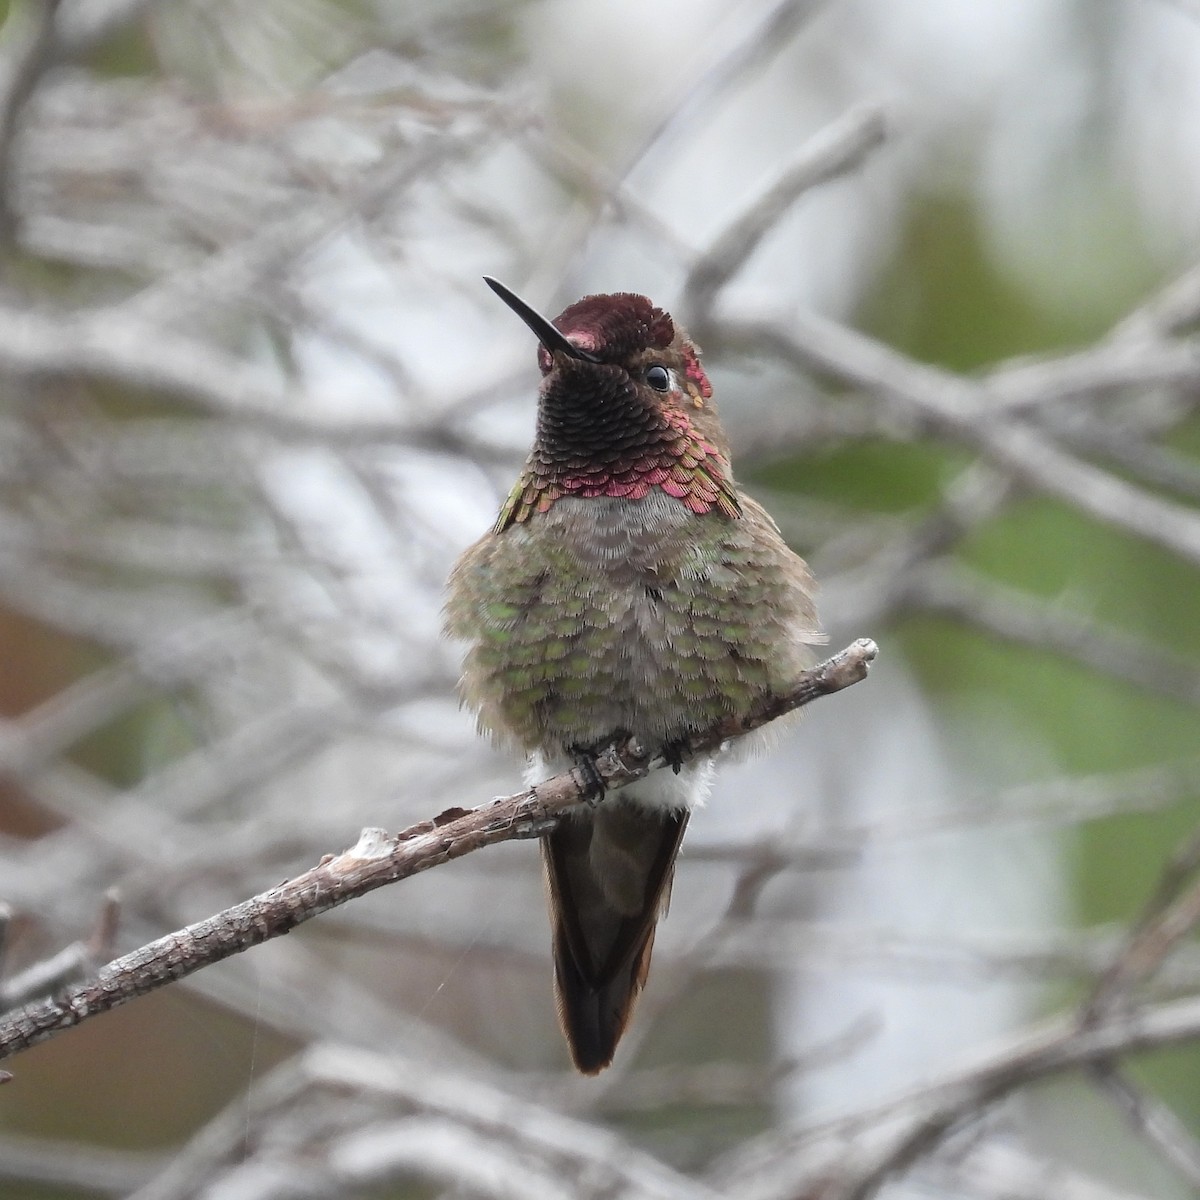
628 587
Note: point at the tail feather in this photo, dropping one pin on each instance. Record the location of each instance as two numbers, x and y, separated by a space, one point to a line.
608 875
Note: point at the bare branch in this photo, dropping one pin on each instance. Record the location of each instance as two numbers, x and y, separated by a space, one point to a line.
954 408
1159 466
1021 619
1169 916
30 52
238 445
834 150
1170 310
380 859
1106 367
1154 1120
852 1158
752 45
407 1121
72 963
111 347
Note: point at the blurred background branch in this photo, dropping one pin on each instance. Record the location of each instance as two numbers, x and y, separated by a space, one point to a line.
254 400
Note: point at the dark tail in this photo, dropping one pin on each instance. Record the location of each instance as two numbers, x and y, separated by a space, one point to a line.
608 875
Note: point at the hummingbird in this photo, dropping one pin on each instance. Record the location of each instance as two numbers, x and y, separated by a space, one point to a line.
627 588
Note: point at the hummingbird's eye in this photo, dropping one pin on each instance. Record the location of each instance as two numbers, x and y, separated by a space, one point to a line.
658 377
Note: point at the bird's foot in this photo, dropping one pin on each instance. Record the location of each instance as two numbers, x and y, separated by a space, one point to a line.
675 752
593 781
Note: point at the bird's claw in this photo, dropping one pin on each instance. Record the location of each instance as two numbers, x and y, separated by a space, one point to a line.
593 781
675 751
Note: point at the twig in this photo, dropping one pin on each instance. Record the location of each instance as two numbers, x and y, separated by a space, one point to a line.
400 1102
838 147
1105 367
1161 466
378 859
877 1145
31 51
954 407
39 736
1153 1120
850 1159
110 345
1023 620
73 962
1170 310
752 40
1170 915
751 44
882 584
